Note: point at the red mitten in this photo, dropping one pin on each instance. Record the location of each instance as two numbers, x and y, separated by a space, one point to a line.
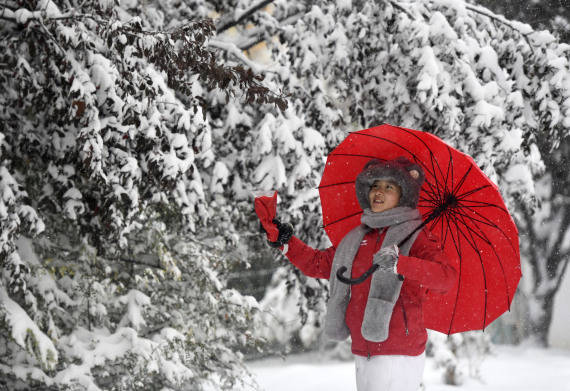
266 209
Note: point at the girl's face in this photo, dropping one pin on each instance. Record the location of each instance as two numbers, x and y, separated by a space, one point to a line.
384 195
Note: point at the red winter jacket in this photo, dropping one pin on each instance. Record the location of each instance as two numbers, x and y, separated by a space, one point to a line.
425 268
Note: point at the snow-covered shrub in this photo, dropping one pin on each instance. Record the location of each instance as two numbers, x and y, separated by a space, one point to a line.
459 355
287 326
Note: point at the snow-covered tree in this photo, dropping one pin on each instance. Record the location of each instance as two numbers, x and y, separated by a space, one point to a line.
546 248
105 140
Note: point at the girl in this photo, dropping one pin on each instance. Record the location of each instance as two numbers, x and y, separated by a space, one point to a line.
382 315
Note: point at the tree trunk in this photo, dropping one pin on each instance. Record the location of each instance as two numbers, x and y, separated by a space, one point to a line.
540 326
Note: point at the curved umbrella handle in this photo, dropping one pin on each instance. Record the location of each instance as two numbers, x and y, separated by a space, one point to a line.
354 281
362 278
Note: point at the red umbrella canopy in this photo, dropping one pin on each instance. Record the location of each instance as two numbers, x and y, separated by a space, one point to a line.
477 231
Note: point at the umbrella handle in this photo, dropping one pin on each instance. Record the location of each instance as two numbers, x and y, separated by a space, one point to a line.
354 281
362 278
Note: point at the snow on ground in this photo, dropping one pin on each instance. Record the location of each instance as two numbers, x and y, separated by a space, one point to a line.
509 369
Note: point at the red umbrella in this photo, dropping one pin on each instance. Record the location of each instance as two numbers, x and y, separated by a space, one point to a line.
463 207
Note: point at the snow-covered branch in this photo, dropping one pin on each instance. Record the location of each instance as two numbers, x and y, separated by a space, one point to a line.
402 8
523 29
236 52
243 16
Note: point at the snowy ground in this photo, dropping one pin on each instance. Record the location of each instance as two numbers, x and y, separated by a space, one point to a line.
509 369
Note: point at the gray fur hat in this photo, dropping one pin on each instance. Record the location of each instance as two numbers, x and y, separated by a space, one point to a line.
397 170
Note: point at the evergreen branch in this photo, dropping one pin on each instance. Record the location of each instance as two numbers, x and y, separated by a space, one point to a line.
502 21
244 16
28 16
122 259
221 77
72 15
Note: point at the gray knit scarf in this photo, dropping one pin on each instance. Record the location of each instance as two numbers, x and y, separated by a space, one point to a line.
385 286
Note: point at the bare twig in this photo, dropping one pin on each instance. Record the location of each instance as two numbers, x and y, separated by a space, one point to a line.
4 5
244 16
255 40
51 37
401 8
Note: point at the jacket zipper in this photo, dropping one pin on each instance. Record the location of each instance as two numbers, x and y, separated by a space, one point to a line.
405 317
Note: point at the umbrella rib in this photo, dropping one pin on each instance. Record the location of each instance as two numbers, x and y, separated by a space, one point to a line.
428 197
473 244
443 231
492 225
489 223
434 190
473 191
461 182
341 219
449 169
483 237
457 245
431 192
438 191
482 204
437 188
436 222
428 204
335 184
454 215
